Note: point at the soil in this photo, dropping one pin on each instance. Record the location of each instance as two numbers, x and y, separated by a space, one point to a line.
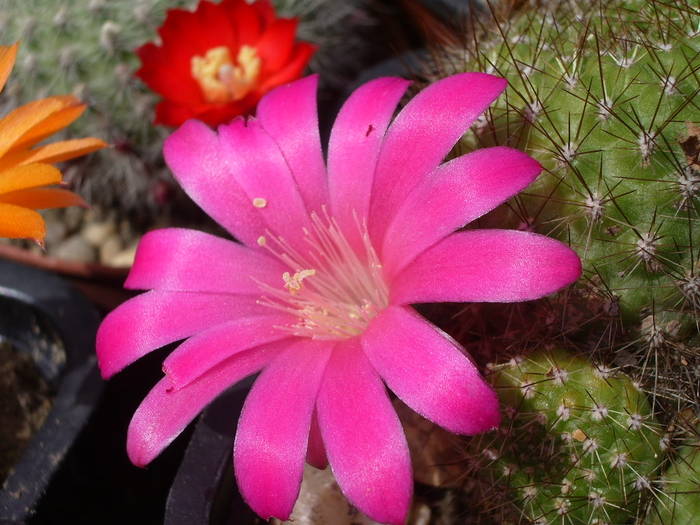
26 401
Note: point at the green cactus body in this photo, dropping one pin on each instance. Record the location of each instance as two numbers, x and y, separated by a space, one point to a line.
601 94
679 501
578 444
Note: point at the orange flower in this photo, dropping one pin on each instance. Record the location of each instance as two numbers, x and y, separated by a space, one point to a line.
27 179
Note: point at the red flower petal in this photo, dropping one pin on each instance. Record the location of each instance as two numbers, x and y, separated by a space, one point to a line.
167 74
276 44
171 113
246 19
300 58
177 30
265 10
214 114
212 28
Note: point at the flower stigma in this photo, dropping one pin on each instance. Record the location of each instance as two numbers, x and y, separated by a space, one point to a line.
332 290
220 79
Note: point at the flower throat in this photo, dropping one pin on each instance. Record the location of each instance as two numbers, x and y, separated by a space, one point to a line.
333 291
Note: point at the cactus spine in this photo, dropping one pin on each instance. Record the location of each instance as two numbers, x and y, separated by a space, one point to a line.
678 503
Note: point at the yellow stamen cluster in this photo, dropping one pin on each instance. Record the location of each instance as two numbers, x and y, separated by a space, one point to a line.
333 291
222 80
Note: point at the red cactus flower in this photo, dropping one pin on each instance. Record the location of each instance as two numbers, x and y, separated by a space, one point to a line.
216 62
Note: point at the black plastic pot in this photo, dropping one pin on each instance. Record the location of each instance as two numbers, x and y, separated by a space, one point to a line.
204 489
42 316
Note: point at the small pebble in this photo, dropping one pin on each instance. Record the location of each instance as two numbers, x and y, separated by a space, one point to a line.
126 232
97 233
56 231
73 218
76 248
321 501
110 248
123 259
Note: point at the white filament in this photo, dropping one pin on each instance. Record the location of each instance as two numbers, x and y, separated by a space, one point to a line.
333 291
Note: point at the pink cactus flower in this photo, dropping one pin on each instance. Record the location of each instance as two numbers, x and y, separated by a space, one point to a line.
317 294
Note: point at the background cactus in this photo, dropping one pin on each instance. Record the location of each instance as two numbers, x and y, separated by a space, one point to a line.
578 444
605 96
678 502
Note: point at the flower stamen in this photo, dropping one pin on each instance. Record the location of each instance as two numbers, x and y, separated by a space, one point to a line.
294 283
333 291
223 81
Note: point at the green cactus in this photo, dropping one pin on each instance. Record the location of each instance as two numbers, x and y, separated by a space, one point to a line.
679 501
604 95
578 443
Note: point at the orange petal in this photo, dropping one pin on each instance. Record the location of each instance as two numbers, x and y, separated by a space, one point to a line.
20 223
56 152
28 176
8 54
19 121
43 198
49 126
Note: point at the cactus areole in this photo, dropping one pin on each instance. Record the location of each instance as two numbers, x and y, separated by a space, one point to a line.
318 294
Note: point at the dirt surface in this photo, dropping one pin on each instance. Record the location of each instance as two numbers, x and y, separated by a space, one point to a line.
26 401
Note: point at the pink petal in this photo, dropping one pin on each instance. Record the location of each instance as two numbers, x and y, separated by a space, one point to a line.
356 139
274 428
195 157
288 113
429 372
164 412
422 135
316 451
488 266
155 319
256 163
365 443
207 349
453 195
177 259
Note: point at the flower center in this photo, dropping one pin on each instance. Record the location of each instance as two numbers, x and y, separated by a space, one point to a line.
222 80
333 291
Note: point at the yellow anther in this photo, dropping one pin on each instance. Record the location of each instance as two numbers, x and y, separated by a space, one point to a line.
293 283
259 202
222 80
262 241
